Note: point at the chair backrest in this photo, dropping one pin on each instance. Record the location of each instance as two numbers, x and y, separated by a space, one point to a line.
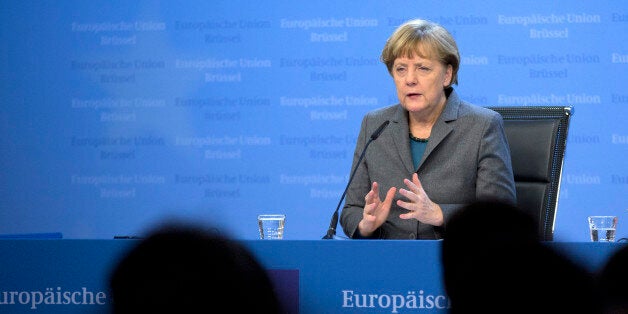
537 136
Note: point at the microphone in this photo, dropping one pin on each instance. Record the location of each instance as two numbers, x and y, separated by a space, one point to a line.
331 232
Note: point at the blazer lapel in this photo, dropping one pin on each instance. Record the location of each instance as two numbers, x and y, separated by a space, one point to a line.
401 138
442 128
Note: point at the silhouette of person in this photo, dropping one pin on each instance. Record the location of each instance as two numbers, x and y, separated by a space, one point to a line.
612 282
180 268
494 262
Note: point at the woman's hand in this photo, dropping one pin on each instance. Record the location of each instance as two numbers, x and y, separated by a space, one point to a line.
419 205
375 211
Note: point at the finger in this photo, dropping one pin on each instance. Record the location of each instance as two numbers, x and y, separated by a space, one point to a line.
416 181
411 185
405 205
369 210
390 195
375 188
370 196
421 191
409 215
408 206
384 207
412 196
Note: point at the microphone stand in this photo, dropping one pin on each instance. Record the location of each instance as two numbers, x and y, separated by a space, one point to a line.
331 232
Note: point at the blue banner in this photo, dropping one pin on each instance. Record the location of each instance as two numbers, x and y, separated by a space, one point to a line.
116 115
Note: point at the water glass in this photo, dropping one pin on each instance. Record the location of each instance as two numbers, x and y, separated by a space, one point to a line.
602 228
271 226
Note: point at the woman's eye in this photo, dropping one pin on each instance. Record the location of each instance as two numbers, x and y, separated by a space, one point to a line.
424 69
400 70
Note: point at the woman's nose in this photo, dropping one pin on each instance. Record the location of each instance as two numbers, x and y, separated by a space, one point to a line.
411 78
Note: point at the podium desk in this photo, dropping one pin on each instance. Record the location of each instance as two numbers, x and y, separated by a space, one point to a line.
312 276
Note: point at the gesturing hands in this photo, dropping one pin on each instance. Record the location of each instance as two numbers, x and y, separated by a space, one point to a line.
419 206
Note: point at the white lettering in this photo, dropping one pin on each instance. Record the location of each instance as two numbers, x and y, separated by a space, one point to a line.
51 296
395 302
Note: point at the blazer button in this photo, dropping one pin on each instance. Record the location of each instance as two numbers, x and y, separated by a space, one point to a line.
412 236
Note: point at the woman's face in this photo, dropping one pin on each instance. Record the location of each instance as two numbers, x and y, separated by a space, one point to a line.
420 82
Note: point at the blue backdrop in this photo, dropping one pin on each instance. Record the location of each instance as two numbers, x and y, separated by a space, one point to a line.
116 115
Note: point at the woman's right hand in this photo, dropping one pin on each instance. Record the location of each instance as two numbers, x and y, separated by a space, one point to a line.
375 211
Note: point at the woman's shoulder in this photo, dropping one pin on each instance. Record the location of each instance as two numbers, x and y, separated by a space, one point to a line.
467 108
386 112
458 108
374 118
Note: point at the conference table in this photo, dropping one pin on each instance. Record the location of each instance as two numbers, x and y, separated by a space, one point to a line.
311 276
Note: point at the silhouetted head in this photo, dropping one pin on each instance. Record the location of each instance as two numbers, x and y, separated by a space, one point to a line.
187 269
494 262
613 283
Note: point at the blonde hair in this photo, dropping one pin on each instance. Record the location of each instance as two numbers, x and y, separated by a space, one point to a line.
427 40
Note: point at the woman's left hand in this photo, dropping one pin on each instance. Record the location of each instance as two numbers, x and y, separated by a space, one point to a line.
419 205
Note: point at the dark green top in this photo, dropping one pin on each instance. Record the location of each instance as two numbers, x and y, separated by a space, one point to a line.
417 146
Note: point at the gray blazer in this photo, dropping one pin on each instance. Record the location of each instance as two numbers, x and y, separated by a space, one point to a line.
467 159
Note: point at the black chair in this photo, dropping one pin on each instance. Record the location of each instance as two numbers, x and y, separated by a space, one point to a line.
537 136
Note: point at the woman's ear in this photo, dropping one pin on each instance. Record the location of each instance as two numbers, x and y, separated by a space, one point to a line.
449 72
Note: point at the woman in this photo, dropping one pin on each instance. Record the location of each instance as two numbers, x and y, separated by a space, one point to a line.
437 154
